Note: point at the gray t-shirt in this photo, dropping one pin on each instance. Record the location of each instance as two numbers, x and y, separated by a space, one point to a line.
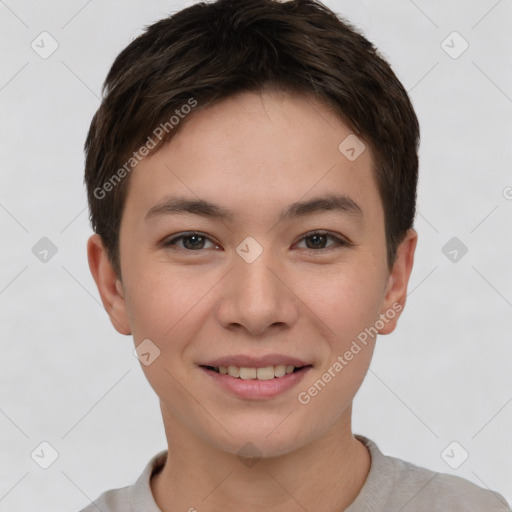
392 485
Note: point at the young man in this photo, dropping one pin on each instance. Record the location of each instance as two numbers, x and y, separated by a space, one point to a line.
252 175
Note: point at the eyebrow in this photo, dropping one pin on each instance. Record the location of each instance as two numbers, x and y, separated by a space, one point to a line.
183 205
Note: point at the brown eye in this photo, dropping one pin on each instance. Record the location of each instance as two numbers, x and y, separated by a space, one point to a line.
190 242
317 241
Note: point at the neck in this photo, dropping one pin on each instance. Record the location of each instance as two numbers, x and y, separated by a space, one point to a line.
325 475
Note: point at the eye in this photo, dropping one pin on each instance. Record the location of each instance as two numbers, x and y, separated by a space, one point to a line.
195 241
318 239
192 241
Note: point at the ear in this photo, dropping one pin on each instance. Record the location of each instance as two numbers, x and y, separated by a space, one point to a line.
109 285
396 289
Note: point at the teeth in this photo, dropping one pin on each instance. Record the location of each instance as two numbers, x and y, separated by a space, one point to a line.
266 373
280 370
248 373
234 371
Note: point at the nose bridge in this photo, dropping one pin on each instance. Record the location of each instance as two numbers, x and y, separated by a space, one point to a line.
256 298
257 282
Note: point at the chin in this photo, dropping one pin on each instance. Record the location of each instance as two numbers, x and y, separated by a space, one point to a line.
254 441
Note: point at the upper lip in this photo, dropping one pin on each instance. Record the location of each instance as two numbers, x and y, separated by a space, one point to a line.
247 361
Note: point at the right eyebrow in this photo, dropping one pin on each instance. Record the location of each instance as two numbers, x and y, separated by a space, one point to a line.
181 205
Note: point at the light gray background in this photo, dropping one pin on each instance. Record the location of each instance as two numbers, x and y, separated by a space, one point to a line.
68 378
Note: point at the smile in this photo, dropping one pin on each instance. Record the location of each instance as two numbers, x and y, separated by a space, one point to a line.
263 373
255 383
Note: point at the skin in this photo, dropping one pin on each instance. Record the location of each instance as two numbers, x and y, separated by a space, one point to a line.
255 154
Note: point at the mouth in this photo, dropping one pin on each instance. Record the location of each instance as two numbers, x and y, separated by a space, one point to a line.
270 372
251 377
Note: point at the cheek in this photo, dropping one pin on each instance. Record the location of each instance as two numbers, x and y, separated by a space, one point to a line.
167 308
167 304
348 303
154 302
346 298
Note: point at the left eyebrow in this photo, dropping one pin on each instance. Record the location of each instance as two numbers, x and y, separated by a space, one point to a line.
330 202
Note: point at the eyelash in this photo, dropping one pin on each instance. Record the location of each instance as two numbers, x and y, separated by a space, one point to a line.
339 242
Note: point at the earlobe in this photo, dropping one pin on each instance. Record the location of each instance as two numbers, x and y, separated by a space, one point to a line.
396 291
109 285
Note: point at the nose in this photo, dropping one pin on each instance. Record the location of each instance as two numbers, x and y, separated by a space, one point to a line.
256 297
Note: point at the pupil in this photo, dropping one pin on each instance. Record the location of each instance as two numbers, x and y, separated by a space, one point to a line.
317 238
195 239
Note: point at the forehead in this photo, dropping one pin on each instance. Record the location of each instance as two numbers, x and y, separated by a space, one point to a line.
258 151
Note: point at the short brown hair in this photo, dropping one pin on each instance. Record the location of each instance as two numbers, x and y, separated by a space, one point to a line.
210 51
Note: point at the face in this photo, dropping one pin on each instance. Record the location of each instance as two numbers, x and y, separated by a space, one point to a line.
252 241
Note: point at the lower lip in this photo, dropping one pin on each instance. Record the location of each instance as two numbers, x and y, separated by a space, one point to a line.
258 389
